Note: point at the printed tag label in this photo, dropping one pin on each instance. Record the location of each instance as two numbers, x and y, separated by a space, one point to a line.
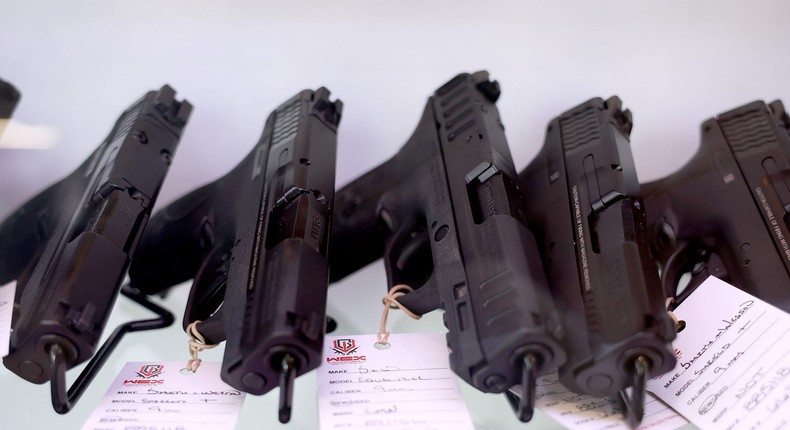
733 368
408 386
7 293
583 412
154 395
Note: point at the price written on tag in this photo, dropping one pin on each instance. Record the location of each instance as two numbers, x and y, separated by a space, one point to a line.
152 395
7 293
733 367
408 386
583 412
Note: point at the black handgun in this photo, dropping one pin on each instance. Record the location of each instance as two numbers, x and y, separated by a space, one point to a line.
586 211
726 213
70 246
447 215
9 97
256 243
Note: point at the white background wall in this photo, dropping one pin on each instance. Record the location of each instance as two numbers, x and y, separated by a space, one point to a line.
80 63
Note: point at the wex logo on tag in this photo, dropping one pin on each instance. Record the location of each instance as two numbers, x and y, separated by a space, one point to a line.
345 348
150 371
146 375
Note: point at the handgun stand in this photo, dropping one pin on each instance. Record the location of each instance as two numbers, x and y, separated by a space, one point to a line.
70 246
590 226
256 242
447 216
726 213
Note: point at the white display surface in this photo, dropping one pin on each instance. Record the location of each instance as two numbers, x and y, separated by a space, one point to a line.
79 64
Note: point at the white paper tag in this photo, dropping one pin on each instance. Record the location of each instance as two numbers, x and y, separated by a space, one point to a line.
7 293
583 412
408 386
156 395
733 367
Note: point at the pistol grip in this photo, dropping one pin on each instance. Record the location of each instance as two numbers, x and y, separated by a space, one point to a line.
26 231
173 246
357 234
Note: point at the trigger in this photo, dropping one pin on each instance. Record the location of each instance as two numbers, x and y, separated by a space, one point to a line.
408 256
206 234
414 251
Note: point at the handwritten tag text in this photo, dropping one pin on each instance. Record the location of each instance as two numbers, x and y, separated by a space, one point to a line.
159 395
733 367
408 386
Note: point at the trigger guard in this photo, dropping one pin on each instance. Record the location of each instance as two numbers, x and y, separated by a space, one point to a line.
208 288
424 299
677 264
670 276
680 263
